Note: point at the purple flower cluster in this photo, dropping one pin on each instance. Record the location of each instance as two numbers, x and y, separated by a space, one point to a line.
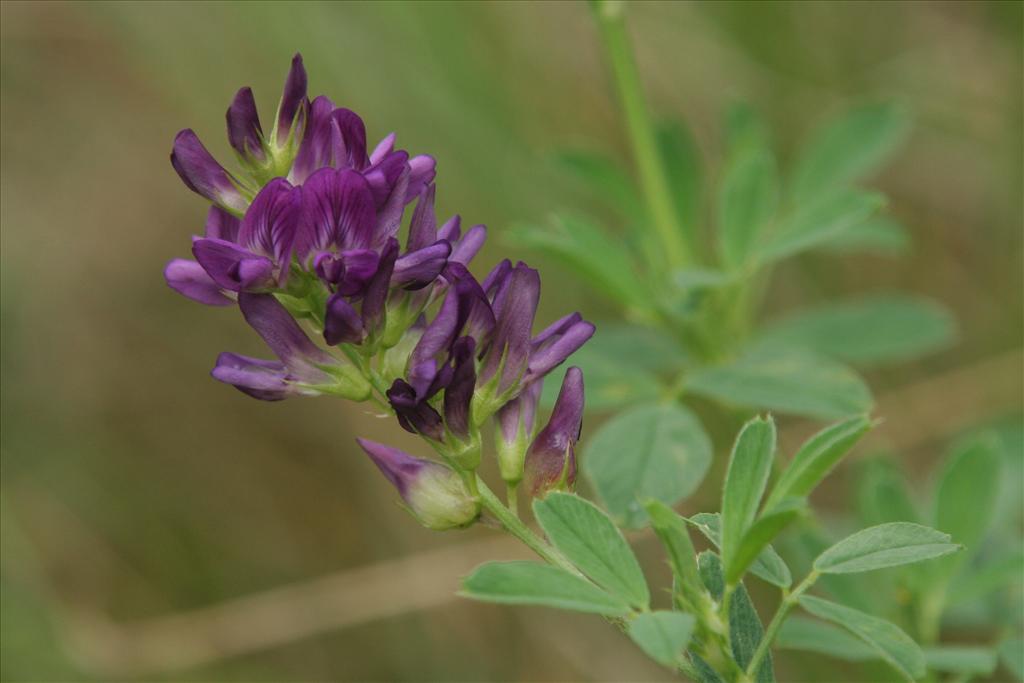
308 232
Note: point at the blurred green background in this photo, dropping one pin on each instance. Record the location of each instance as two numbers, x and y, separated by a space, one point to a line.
157 525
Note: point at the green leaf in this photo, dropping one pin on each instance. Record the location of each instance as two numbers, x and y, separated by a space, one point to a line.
883 494
877 329
532 583
811 635
673 534
885 545
816 458
999 573
588 538
655 451
705 674
796 383
891 643
663 636
681 160
600 259
878 235
611 383
606 178
976 661
1011 654
761 533
745 629
848 148
745 480
747 200
745 129
964 500
818 223
768 565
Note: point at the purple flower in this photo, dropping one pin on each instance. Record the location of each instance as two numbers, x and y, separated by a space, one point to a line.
244 131
293 105
302 367
258 257
551 459
203 175
433 492
515 431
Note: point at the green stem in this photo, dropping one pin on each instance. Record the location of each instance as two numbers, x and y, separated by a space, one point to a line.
788 602
653 179
515 526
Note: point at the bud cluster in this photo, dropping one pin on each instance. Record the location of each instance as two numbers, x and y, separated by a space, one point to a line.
306 237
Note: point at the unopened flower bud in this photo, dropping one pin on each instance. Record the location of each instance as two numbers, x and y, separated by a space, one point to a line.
434 493
551 460
515 429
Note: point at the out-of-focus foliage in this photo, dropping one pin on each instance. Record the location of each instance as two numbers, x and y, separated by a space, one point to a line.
134 487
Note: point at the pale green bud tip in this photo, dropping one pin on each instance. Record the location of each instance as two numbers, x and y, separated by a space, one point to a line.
433 492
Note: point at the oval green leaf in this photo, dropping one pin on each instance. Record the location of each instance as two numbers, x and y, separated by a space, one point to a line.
532 583
585 535
657 451
885 545
662 635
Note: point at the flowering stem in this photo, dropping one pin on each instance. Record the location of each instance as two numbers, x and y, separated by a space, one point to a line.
653 180
515 526
789 601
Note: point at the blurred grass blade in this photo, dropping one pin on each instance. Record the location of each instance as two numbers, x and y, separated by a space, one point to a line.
993 574
606 179
532 583
877 329
658 450
885 545
878 235
848 148
662 635
817 457
891 643
745 479
585 535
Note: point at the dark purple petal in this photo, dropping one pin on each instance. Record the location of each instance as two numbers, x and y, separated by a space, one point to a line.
552 454
350 151
375 301
285 338
440 333
202 174
189 279
384 176
222 225
383 148
272 223
553 331
232 267
459 393
317 148
497 279
389 216
554 354
244 131
338 210
471 243
293 99
348 271
423 225
418 269
342 324
414 415
262 379
421 173
511 345
476 319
